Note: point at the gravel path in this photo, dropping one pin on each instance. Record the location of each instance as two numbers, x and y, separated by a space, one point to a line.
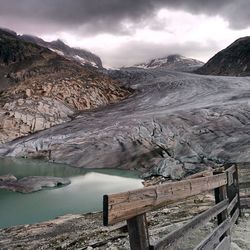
241 233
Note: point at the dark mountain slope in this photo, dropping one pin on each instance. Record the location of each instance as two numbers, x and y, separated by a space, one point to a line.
40 88
79 55
231 61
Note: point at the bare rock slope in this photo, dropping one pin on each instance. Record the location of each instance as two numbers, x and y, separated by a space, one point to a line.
40 88
231 61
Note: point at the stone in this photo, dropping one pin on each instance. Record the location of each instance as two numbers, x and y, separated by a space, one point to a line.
28 92
31 183
8 177
167 168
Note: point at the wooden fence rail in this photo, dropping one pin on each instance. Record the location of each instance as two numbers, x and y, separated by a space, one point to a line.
132 206
244 185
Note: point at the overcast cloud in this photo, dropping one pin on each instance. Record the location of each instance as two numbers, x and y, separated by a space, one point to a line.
79 21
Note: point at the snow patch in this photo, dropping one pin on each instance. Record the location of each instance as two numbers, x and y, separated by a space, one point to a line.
59 52
84 61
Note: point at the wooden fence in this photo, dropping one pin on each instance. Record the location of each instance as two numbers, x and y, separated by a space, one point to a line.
132 206
244 184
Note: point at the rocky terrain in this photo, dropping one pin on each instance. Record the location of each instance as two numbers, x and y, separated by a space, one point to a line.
172 62
231 61
159 121
40 88
173 120
80 55
31 183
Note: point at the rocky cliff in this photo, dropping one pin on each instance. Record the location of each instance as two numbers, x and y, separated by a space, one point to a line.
231 61
40 88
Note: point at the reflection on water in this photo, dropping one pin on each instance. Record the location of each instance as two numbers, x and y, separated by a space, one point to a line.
84 194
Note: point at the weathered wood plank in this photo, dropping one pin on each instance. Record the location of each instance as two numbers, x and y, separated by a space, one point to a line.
245 202
200 174
138 233
224 244
236 178
234 217
231 169
220 194
213 239
230 175
243 165
123 206
173 238
244 184
232 204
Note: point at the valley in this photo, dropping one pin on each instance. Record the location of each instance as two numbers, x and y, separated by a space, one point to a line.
66 120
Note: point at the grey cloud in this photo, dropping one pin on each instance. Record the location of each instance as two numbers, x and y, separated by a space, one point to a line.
145 51
97 16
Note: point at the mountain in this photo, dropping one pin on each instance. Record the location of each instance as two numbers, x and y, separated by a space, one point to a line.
80 55
231 61
172 62
40 88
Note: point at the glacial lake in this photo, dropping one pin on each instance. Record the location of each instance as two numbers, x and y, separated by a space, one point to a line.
83 195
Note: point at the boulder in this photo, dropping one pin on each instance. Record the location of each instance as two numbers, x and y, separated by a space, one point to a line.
31 183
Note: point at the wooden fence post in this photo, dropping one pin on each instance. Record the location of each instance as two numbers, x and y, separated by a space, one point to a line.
233 187
138 232
236 183
220 194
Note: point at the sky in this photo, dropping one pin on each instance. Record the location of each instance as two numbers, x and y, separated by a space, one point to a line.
126 32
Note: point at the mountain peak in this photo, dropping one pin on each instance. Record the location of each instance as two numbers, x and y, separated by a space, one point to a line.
172 62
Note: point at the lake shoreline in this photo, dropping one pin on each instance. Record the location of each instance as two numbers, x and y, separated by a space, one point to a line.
82 195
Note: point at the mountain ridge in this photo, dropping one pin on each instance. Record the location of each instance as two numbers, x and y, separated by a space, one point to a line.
234 60
80 55
40 88
171 62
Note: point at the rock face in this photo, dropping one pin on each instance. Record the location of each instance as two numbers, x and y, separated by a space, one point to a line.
24 116
30 184
172 62
176 121
231 61
42 89
80 55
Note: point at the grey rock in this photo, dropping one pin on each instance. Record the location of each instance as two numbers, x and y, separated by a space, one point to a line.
189 118
168 168
8 177
31 183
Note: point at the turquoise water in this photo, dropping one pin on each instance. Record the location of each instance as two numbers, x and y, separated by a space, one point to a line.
83 195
